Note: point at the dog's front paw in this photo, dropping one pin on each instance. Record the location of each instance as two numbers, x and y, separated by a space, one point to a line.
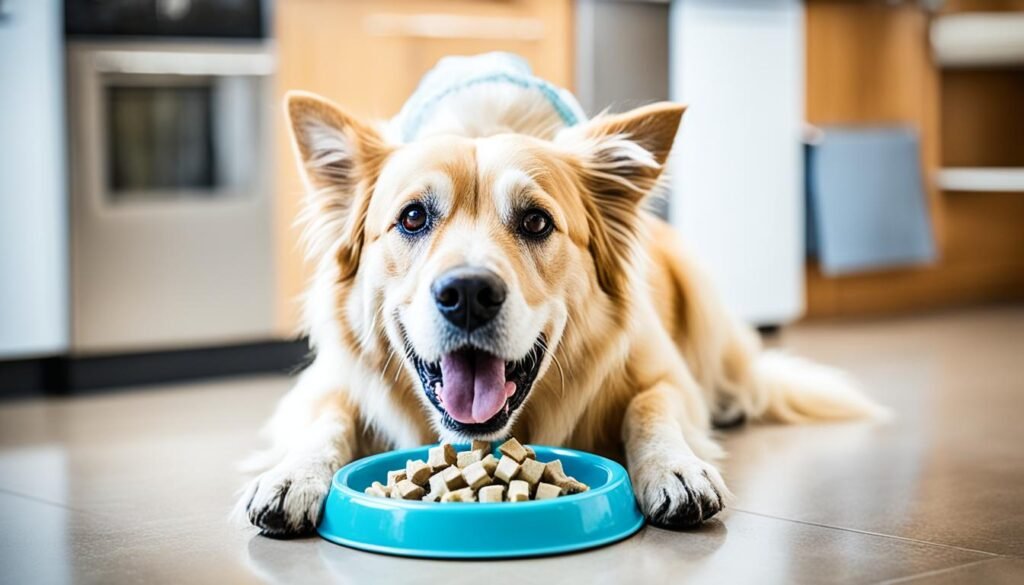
679 493
286 501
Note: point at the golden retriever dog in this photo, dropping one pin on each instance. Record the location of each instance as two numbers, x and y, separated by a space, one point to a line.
498 275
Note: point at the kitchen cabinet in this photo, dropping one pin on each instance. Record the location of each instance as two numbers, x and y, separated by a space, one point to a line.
872 63
368 56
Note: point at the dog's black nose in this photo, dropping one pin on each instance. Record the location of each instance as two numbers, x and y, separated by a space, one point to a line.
469 297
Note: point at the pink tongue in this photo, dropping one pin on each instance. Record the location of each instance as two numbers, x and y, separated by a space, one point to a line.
474 388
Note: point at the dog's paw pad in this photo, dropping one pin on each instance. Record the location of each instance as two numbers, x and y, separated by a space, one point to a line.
681 496
283 506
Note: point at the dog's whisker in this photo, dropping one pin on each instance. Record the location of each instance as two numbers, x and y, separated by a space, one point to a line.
561 373
384 371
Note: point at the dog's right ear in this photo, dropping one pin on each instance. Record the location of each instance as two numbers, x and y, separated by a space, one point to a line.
340 158
335 149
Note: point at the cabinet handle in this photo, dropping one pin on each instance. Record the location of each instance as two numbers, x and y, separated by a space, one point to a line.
451 26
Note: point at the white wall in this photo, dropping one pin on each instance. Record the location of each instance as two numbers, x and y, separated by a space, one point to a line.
737 171
33 205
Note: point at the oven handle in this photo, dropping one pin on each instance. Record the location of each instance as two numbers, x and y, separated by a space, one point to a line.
212 63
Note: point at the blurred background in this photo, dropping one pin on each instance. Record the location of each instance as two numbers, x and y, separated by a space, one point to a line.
840 159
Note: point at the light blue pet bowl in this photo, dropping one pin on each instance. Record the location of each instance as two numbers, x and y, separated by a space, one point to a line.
605 513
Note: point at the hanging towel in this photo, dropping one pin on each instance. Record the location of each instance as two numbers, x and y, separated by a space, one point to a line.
866 206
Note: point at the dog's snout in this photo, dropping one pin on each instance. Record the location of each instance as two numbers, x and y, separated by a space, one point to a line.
469 297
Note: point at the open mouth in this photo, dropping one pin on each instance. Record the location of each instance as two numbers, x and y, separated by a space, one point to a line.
477 392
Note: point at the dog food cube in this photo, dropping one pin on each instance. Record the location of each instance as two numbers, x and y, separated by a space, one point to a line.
553 472
490 463
476 476
572 486
483 446
530 453
491 493
395 476
546 491
441 456
407 490
376 489
518 491
417 472
437 486
530 471
453 478
467 458
435 493
507 469
513 449
462 495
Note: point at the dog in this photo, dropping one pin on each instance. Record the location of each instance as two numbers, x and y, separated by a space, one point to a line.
494 272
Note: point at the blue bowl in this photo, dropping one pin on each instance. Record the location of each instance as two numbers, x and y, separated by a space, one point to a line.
605 513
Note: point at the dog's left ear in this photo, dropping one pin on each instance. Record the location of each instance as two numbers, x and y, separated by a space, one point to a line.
620 158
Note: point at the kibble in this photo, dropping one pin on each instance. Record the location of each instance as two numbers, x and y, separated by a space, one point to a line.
476 475
530 471
506 470
463 495
453 478
407 490
513 449
490 463
395 477
518 491
554 474
491 493
441 457
546 491
417 472
467 458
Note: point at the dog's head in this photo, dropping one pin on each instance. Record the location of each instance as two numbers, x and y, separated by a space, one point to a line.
467 258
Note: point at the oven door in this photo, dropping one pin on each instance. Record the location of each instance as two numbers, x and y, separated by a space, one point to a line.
171 215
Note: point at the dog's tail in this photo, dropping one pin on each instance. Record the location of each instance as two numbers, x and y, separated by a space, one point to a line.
792 389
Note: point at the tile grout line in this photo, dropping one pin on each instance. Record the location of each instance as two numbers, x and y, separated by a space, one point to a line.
39 500
935 572
878 534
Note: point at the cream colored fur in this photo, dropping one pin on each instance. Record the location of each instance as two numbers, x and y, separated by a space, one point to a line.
641 355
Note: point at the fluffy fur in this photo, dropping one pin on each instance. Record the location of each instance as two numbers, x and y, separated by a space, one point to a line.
639 357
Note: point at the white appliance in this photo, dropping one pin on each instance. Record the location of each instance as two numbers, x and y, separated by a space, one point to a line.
170 202
33 208
737 169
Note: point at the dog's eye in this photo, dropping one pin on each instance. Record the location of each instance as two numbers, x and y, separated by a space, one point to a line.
535 223
413 218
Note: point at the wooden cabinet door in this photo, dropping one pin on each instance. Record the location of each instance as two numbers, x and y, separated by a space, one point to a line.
369 55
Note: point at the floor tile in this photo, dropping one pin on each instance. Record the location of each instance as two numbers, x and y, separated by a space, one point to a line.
949 469
1002 571
739 548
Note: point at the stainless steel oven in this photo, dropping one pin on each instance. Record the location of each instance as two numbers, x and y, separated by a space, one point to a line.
169 182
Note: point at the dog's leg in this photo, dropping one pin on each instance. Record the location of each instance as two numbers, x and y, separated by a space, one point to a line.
287 500
675 487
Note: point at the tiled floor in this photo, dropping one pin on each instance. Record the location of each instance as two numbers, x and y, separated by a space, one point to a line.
136 486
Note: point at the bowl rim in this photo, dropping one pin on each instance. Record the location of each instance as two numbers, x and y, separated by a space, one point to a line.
339 482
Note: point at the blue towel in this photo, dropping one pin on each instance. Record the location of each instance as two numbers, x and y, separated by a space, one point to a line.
866 206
